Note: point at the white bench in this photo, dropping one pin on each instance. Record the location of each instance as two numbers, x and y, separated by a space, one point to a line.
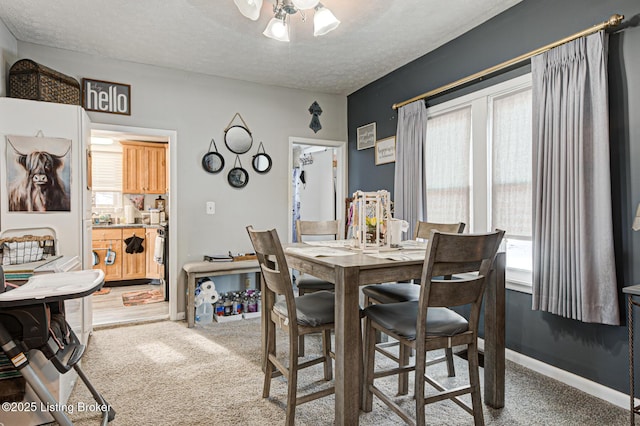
202 269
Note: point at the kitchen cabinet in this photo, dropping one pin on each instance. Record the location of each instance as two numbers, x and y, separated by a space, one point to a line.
133 264
105 241
125 266
154 269
144 167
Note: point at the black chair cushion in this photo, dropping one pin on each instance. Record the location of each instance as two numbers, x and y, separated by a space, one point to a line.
401 318
308 282
393 292
312 309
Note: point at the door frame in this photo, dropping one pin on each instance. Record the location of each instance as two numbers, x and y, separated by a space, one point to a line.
172 135
341 175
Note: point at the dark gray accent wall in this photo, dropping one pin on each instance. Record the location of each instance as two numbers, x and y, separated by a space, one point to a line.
596 352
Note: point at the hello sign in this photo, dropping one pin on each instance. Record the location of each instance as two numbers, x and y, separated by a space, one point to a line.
106 96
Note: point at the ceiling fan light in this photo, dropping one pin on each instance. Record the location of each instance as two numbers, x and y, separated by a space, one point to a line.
249 8
305 4
277 30
324 21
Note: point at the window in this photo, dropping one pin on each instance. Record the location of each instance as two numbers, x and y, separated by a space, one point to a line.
478 158
512 163
106 176
447 166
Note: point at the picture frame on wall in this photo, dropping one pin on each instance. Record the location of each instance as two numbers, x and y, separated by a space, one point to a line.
48 159
137 200
386 151
106 96
366 136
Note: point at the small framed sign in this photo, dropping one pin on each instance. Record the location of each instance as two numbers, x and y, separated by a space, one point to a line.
386 151
366 136
106 96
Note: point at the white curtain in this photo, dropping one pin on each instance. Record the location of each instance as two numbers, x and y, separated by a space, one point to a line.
409 187
511 165
448 167
574 271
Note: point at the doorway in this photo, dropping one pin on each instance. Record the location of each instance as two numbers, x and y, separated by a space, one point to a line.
318 172
157 282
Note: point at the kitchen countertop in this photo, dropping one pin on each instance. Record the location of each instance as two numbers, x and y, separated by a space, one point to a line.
127 225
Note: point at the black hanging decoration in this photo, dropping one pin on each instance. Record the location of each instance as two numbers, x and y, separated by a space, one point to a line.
213 162
261 161
315 112
238 176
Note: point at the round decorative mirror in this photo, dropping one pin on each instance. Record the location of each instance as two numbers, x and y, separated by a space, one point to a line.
238 139
238 177
212 161
261 161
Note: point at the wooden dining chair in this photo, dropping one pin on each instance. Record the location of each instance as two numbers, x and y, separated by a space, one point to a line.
298 316
404 292
428 324
307 283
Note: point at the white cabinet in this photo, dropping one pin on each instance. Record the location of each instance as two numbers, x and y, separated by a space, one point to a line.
19 117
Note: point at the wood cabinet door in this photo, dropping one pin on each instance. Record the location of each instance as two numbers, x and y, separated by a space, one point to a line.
144 167
133 169
112 272
103 242
133 264
98 247
156 170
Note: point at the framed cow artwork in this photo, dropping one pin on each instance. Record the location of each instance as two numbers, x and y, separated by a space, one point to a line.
38 174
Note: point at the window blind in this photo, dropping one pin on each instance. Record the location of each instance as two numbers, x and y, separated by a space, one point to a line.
107 171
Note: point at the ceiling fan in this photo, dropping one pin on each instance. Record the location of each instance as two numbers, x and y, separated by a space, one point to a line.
324 20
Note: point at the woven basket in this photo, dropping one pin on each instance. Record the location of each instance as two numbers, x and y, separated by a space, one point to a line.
27 248
30 80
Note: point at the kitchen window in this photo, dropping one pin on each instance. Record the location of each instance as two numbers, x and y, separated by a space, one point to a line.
107 176
478 158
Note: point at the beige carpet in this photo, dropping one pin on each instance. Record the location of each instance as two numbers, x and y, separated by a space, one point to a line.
165 373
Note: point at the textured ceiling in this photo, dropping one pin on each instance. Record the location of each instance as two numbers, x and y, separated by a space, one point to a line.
212 37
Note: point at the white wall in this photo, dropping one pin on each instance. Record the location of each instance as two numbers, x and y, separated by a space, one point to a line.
199 107
8 54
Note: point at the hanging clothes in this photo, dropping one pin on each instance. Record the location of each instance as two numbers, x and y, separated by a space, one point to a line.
295 180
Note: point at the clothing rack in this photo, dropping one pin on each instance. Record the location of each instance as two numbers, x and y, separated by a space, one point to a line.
613 21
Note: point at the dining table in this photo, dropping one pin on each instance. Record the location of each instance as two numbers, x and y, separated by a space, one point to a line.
349 269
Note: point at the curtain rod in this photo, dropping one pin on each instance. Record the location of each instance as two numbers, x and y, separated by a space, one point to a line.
613 21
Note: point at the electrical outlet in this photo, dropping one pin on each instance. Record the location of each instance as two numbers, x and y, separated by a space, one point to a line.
211 207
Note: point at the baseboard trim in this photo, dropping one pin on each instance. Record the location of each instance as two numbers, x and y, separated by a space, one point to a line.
612 396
